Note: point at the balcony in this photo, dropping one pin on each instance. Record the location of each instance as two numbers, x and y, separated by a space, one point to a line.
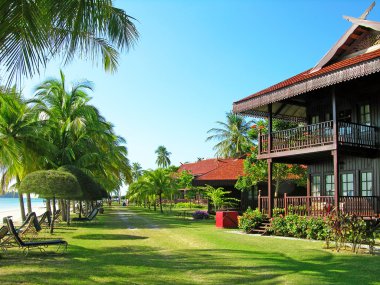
321 206
318 137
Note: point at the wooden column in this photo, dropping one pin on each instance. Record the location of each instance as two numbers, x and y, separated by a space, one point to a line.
270 194
308 193
270 124
335 152
270 164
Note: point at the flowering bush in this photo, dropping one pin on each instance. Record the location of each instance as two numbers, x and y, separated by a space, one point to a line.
250 220
200 215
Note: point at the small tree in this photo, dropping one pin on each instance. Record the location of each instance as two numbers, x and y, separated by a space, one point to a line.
51 184
217 197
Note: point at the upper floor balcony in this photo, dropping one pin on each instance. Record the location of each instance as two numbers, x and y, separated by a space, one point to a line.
317 138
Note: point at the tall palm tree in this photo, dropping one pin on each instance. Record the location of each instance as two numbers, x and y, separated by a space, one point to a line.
22 147
33 32
162 156
232 136
160 182
81 135
136 170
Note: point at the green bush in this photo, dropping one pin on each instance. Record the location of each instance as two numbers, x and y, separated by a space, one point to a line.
298 226
250 220
278 211
187 205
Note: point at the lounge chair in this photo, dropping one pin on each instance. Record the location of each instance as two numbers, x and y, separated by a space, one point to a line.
44 219
5 238
30 225
57 216
90 217
26 246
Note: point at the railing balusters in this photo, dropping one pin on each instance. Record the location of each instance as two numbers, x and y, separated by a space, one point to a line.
319 134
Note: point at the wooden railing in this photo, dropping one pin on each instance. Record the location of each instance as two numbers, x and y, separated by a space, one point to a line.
324 205
318 135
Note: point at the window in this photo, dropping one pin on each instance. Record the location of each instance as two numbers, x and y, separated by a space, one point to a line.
314 120
366 183
347 184
365 114
329 183
316 186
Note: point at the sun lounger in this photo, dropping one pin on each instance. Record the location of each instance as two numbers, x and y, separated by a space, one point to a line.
30 225
90 217
5 238
27 245
44 219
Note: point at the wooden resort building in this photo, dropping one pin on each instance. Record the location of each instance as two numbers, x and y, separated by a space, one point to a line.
337 106
217 173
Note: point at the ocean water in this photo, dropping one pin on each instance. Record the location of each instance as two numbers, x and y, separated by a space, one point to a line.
11 206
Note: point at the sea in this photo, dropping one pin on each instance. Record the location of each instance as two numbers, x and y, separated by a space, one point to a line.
11 207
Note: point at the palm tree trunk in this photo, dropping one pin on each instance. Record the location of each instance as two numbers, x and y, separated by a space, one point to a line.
29 203
22 208
52 217
160 196
68 212
80 209
48 205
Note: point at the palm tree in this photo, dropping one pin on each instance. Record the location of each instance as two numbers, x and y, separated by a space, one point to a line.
22 147
162 157
160 182
232 136
136 170
82 137
33 32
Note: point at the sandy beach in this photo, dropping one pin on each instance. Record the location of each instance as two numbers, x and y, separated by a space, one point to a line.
16 215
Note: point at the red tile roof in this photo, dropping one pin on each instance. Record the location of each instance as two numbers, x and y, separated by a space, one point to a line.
307 75
215 169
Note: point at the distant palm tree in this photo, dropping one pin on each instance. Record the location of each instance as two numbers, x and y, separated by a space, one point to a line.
162 157
33 32
233 137
136 171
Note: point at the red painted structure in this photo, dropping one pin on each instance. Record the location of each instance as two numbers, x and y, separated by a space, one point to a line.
226 219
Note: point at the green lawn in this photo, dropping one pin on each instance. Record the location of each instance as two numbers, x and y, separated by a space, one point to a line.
136 246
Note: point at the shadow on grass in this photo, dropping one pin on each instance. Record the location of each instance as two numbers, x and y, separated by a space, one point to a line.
119 262
108 237
207 266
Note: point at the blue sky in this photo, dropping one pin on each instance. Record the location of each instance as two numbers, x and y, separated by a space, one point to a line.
195 58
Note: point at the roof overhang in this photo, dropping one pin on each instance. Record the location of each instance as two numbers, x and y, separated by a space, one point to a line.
255 106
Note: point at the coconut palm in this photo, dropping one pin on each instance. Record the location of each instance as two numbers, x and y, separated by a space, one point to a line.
82 136
33 32
232 136
136 170
22 147
162 157
160 182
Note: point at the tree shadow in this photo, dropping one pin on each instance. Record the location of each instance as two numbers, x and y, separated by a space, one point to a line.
108 237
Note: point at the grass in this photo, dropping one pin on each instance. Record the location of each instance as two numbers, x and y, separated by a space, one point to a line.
136 246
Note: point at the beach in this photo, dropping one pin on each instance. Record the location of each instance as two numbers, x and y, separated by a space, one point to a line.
10 207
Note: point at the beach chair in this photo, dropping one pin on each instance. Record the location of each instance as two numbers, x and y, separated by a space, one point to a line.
5 239
44 219
29 226
57 216
27 245
90 217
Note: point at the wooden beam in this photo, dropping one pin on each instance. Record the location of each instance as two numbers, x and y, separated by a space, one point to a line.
270 194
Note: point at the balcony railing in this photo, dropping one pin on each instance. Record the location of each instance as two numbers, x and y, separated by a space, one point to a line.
324 205
319 135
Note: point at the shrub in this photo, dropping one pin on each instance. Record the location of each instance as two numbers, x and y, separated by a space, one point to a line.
187 205
250 220
278 211
200 215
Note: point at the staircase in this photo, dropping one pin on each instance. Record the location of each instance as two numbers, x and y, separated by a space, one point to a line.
262 229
